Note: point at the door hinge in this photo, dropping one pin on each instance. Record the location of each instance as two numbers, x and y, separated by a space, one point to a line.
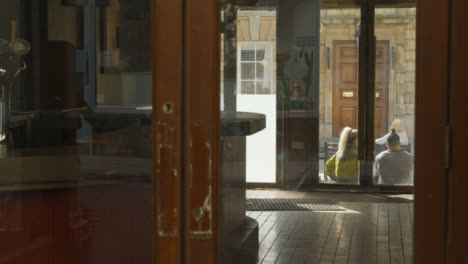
448 147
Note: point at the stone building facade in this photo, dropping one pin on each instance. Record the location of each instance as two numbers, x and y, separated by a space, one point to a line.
397 26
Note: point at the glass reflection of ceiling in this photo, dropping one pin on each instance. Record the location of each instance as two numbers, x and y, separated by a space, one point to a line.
353 3
325 3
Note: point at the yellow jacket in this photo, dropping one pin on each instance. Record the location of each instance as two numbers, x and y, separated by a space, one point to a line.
346 166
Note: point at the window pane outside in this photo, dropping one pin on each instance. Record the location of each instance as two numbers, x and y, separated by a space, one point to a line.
395 94
339 95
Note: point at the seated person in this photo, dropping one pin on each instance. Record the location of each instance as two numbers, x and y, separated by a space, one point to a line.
394 165
398 125
343 166
399 128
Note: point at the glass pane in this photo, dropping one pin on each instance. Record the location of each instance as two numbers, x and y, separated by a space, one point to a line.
307 99
260 70
248 55
76 135
256 29
260 54
263 88
339 100
395 95
247 71
123 73
248 87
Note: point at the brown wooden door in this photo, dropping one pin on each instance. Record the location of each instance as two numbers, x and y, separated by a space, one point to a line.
345 86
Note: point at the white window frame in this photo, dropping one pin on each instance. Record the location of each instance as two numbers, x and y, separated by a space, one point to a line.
247 45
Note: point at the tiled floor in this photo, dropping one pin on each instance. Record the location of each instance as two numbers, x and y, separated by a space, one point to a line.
373 229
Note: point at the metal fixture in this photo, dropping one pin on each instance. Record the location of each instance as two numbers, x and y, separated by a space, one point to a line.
11 64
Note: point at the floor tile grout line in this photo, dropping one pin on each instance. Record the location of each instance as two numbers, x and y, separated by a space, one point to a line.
401 236
389 233
285 225
351 240
323 247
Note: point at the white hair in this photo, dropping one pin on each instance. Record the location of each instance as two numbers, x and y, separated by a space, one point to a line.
344 141
398 125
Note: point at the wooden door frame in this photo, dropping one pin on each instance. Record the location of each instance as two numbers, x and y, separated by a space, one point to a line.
186 117
366 111
201 133
168 132
432 58
457 243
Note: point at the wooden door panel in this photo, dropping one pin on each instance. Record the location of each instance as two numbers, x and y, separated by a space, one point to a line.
349 52
379 127
348 116
200 180
380 52
349 73
168 199
380 73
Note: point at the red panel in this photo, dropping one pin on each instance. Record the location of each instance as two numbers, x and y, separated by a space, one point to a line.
107 224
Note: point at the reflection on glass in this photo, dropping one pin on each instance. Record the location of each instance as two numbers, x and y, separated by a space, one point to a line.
76 165
256 64
123 74
395 94
256 46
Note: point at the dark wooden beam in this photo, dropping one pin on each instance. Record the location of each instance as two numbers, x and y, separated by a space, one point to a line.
430 184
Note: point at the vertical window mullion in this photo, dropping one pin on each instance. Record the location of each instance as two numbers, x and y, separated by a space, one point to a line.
255 68
366 108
